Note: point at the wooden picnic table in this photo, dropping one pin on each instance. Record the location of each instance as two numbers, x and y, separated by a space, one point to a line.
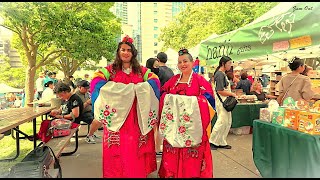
13 117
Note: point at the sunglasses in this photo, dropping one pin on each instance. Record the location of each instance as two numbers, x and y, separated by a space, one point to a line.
183 51
293 59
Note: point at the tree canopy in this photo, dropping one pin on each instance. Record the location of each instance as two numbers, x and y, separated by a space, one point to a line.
199 20
48 31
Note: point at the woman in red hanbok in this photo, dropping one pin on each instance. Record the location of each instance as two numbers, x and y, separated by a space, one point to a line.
186 103
121 95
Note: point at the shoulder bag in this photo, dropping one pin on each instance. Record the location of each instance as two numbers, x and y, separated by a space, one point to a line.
36 164
282 95
229 103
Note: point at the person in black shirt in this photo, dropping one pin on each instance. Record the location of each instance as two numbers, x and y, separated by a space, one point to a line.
257 90
165 73
244 83
72 108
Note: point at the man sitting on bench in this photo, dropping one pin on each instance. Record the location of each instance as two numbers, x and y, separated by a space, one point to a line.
83 93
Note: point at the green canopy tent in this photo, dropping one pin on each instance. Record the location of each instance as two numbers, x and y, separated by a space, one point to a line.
292 28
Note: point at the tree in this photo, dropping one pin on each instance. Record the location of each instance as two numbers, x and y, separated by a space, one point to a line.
11 76
199 20
50 30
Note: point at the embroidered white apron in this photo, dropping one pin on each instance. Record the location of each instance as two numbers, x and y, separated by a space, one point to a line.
110 106
180 122
147 107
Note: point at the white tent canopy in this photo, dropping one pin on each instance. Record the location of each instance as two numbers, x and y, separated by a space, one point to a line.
7 89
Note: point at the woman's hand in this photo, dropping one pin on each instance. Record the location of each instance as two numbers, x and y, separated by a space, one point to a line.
54 112
59 116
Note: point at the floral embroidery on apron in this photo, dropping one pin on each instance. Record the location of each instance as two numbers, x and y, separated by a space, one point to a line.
105 115
170 149
180 122
113 138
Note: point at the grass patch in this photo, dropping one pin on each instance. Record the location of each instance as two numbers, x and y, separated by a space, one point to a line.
8 146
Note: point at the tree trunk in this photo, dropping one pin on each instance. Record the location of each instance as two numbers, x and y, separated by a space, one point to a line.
29 84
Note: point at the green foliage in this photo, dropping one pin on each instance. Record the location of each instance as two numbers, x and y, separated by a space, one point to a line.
47 31
13 77
198 21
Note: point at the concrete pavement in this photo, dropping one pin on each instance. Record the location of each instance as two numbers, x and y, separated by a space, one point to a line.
228 163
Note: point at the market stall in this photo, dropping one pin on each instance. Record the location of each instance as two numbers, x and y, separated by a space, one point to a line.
244 114
287 30
286 139
280 152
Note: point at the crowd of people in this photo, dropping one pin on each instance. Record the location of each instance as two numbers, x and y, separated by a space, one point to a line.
163 114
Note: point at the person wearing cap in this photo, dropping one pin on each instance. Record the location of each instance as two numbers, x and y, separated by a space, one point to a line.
48 78
165 73
83 93
125 98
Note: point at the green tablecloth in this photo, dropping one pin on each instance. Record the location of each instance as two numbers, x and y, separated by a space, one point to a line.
244 114
282 152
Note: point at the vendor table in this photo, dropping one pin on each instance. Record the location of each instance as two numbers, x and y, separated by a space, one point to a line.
280 152
244 114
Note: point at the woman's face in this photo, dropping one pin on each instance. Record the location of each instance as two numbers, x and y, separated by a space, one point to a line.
156 64
228 65
51 86
125 53
184 64
63 95
259 86
301 68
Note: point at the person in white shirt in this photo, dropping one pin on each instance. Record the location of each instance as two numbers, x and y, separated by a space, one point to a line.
17 102
47 94
39 85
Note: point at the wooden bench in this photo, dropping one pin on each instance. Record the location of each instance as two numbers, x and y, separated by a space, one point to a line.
1 136
58 145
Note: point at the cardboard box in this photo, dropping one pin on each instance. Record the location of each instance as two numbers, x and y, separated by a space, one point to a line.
291 118
277 117
309 122
265 114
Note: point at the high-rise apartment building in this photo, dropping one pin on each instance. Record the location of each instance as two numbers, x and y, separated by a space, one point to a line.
120 9
154 17
177 7
147 19
7 50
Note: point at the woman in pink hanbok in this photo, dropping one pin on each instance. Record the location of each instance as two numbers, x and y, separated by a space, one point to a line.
122 94
185 106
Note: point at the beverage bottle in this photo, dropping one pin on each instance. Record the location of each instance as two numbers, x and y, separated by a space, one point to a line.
35 105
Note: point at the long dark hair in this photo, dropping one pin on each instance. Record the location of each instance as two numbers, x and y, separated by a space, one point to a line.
117 64
150 62
295 63
222 62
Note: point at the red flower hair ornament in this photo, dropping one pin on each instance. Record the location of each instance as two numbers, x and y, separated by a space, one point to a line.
127 39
